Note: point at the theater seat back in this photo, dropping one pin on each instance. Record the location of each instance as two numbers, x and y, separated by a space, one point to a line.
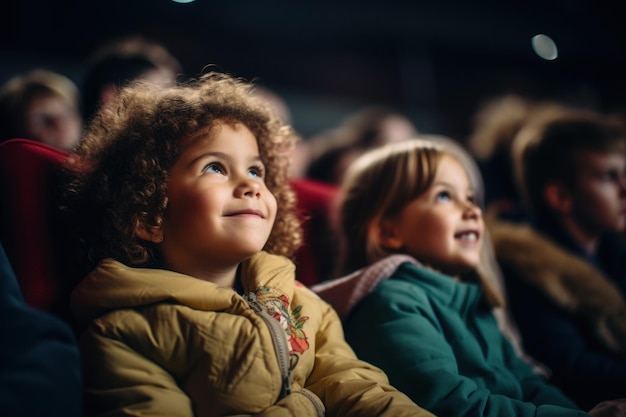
34 239
316 259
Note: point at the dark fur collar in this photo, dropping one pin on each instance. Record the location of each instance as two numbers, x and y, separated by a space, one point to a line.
569 281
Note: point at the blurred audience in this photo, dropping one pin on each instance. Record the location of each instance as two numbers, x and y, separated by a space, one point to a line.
332 151
565 268
300 152
118 62
495 125
42 105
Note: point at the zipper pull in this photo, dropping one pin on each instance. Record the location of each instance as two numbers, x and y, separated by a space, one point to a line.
286 386
252 301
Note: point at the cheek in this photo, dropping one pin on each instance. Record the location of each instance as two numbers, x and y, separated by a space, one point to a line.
273 205
600 199
437 227
188 208
35 127
427 233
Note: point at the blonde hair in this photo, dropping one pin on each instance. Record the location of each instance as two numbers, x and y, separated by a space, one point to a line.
378 185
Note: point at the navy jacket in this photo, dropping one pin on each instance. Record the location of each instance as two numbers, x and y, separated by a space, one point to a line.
567 341
39 361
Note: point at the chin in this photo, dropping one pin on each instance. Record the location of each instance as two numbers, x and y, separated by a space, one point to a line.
459 269
468 266
620 227
246 253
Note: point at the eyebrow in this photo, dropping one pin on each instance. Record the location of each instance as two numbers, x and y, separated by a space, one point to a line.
447 184
220 155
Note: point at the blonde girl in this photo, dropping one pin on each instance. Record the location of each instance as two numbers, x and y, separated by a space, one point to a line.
415 300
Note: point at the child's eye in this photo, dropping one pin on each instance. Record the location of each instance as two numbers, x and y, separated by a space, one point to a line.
214 167
471 199
256 171
614 175
443 196
608 176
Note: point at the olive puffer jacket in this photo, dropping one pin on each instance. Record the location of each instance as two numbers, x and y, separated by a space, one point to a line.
160 343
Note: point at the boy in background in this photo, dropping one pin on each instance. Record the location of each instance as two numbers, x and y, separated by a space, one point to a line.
566 268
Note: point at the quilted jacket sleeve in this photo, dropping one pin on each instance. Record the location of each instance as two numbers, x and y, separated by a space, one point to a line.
299 403
397 329
122 382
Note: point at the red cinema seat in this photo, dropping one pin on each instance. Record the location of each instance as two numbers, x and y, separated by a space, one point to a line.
316 259
29 230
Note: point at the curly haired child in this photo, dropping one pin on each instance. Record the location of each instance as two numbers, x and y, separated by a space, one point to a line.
416 301
192 308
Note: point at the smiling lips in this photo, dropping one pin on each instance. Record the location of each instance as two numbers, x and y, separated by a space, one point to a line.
467 236
246 213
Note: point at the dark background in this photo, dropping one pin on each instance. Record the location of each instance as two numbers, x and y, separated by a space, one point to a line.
435 61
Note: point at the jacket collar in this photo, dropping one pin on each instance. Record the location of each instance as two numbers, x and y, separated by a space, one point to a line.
344 293
569 282
113 285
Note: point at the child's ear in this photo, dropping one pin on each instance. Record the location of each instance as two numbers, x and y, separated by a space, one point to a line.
557 197
148 232
385 232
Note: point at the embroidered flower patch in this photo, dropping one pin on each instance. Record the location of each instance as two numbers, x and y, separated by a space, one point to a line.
292 322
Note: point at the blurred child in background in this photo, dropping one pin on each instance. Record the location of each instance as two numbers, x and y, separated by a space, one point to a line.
41 105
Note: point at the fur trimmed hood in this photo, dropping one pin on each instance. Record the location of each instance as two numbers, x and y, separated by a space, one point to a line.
569 281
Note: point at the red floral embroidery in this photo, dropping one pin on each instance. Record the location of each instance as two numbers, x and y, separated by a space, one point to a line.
297 339
292 322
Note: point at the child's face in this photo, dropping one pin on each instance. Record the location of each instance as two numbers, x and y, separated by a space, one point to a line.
52 120
219 210
598 197
443 227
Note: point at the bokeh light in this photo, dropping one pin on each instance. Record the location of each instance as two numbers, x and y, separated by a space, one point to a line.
545 47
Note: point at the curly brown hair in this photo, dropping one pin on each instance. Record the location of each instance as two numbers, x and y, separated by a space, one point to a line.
119 172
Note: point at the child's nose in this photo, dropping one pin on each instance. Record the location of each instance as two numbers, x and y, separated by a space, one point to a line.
248 187
471 210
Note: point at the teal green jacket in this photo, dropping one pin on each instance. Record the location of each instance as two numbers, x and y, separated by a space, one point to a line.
439 343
